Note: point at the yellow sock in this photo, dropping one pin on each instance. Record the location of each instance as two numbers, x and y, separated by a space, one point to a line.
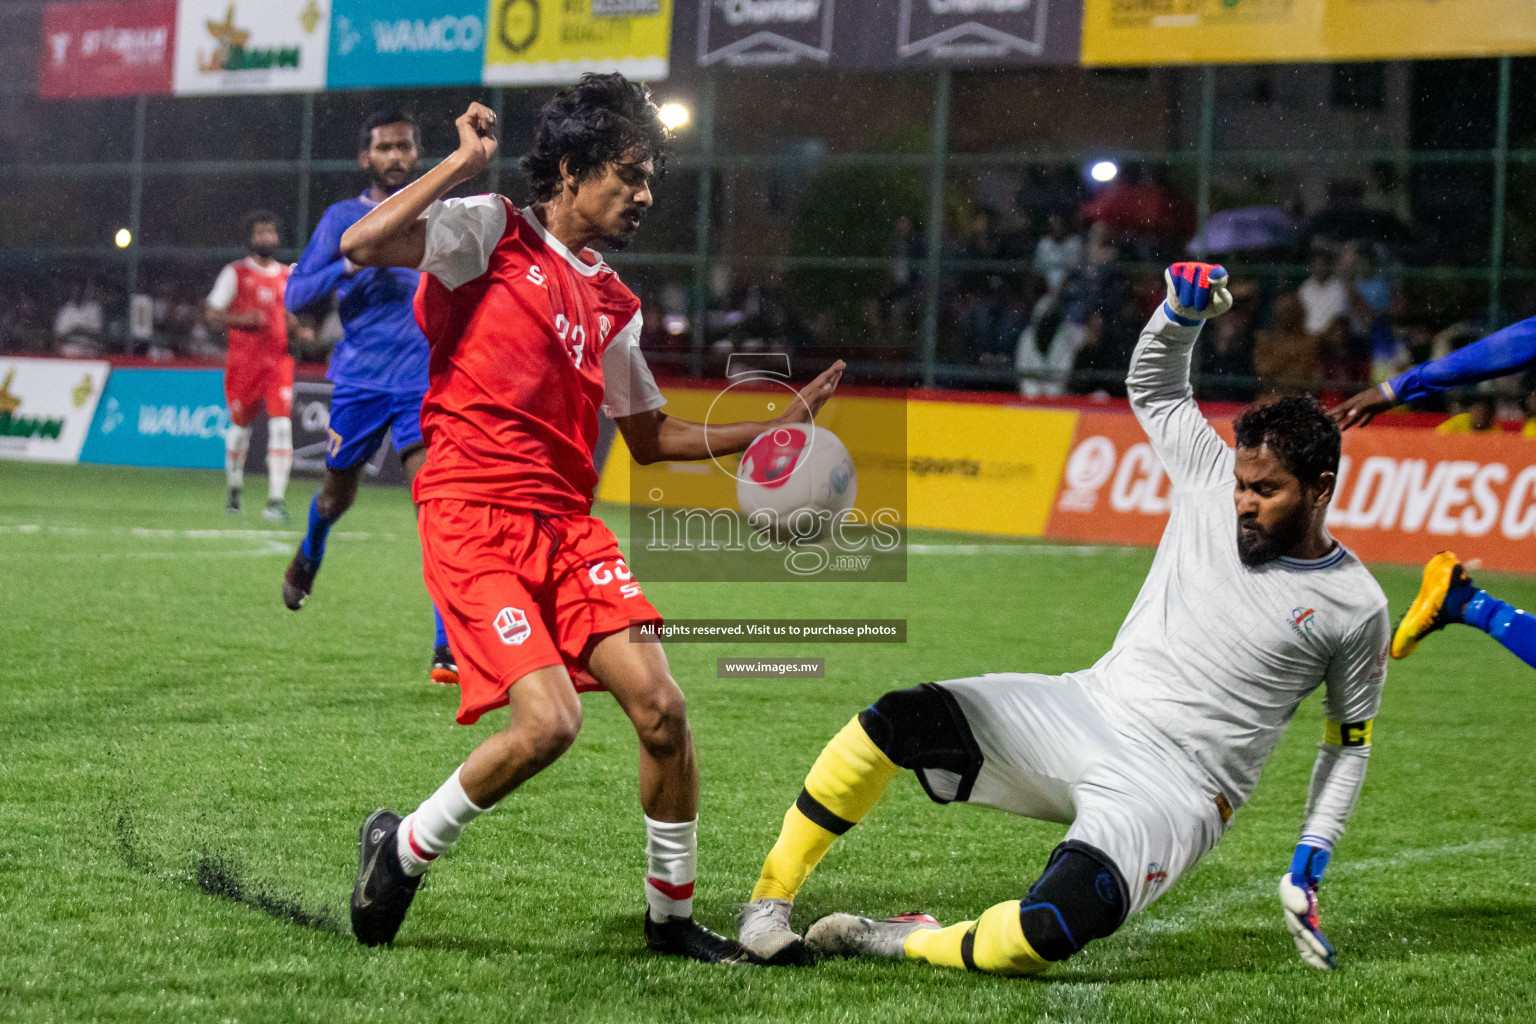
844 783
939 945
994 944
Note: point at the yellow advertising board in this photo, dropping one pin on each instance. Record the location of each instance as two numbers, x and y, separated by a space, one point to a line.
1139 32
973 467
556 41
984 468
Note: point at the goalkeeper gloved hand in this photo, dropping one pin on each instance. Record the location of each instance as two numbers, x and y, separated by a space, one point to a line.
1298 900
1196 292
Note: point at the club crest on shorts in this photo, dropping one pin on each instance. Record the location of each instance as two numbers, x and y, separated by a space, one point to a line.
1156 875
512 626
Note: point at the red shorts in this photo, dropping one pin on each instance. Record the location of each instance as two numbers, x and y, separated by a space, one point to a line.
248 384
520 591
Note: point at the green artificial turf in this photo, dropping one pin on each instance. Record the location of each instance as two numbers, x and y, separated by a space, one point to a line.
184 764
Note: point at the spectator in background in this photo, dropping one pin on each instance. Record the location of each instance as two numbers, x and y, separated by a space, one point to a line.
1479 414
1058 254
1367 300
1226 363
1286 357
79 327
900 304
1323 295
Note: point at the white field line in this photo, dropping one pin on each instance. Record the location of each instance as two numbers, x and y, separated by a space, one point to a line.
146 533
1198 914
1017 549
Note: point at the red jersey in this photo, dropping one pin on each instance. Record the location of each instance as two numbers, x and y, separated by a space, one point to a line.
245 285
522 332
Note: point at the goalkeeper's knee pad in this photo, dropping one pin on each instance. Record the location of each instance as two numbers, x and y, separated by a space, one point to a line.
924 730
1081 897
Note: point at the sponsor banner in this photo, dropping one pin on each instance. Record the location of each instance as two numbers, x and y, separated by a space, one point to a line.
1113 487
984 468
46 407
245 46
173 418
1403 494
877 34
387 43
1142 32
534 41
106 48
947 465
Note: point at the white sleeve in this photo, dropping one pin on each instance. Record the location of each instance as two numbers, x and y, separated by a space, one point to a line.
461 235
1192 453
223 294
628 386
1355 679
1358 671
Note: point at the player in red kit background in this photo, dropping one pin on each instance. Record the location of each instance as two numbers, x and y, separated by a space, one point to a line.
531 333
247 299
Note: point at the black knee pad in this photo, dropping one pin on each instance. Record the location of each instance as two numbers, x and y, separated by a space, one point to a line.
924 730
1081 897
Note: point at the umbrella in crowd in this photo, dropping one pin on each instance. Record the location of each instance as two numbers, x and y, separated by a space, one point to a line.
1245 229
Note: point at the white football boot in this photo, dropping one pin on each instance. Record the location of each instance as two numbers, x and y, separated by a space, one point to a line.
850 935
763 928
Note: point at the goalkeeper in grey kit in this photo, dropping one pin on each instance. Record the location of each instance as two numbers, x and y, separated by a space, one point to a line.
1249 606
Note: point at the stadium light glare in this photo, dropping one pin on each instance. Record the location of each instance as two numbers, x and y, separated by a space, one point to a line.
123 238
1103 171
673 115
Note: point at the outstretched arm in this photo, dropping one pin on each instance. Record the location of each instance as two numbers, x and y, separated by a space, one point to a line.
653 436
1355 680
1158 382
393 234
1503 352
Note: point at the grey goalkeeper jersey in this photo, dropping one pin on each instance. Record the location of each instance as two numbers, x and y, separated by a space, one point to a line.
1215 657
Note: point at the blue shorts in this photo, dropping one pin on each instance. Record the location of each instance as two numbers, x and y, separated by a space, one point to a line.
359 418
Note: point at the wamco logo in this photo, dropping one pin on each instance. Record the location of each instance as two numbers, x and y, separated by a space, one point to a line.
205 421
440 35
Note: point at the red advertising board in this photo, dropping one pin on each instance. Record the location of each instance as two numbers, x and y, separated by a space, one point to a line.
1404 493
107 48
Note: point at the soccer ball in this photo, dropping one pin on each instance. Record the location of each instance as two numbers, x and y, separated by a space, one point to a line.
794 481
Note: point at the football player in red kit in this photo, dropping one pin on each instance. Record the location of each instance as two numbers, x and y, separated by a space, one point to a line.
531 332
247 299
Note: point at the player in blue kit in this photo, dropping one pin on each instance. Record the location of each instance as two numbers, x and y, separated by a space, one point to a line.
379 368
1447 595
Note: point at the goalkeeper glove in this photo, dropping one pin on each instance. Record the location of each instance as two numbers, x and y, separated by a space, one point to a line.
1298 901
1196 292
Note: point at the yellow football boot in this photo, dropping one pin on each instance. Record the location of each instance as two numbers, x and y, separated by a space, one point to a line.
1428 612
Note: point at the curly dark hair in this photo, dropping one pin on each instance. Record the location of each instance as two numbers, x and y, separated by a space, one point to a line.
591 124
1299 433
250 220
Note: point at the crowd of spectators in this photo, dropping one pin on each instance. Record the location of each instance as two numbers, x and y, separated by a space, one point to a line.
1047 301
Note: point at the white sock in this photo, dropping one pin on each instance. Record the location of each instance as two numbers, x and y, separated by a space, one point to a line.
279 456
434 826
672 861
237 441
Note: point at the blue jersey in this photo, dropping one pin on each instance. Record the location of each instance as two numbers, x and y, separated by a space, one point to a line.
1501 353
381 348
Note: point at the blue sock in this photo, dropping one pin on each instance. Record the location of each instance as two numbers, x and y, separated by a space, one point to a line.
313 545
1456 600
442 631
1510 626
